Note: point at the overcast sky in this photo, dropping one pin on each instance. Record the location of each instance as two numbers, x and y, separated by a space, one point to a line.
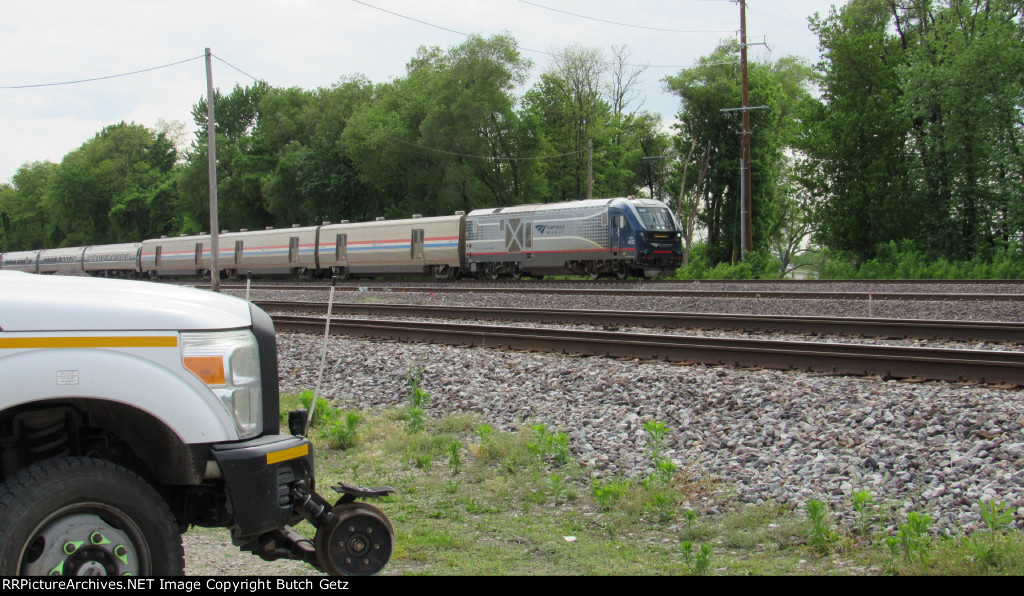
313 43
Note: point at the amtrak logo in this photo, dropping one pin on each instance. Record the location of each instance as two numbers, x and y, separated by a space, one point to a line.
555 229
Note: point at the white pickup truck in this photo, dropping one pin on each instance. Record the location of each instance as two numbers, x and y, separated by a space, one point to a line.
130 411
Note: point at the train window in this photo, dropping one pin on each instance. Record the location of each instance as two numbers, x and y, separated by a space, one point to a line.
156 256
656 218
417 244
341 247
199 253
239 248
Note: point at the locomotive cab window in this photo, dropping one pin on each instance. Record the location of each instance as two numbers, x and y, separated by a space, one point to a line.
656 219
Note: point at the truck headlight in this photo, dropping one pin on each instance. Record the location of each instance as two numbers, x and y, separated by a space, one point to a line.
229 363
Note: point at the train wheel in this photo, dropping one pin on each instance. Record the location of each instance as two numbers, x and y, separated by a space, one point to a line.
359 541
622 273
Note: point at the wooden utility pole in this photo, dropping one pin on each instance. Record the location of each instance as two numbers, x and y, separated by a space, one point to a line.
211 147
745 223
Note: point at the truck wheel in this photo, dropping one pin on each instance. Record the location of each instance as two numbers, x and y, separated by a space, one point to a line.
85 516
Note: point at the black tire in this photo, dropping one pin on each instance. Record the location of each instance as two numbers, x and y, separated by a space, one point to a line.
80 515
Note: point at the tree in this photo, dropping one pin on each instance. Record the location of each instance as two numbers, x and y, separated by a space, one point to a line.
918 133
706 89
447 136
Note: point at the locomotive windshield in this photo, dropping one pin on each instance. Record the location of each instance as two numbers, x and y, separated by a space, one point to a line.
657 219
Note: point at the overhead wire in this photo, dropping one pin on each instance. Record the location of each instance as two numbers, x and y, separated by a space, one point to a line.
549 54
103 78
667 30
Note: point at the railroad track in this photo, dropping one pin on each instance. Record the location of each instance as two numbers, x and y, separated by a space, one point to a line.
898 362
987 331
649 291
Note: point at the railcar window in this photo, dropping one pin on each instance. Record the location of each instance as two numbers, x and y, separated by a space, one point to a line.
656 219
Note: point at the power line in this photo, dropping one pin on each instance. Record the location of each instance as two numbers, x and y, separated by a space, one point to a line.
580 16
236 68
134 72
549 54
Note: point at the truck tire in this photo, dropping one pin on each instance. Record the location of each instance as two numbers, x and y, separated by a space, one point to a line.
85 516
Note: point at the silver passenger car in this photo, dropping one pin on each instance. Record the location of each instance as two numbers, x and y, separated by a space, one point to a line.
61 260
419 245
284 251
25 260
171 257
112 260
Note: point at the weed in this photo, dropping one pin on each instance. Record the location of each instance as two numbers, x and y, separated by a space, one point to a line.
423 462
416 398
913 537
546 444
656 431
485 432
342 433
455 457
997 515
821 537
697 562
863 505
609 492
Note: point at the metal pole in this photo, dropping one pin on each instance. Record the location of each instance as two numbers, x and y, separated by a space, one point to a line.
211 143
590 168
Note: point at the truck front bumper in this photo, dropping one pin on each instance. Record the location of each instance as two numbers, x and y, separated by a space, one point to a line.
259 476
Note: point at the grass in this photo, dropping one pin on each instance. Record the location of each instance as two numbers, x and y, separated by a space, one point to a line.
474 500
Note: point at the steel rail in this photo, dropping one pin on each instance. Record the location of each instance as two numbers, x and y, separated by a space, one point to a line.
632 292
988 331
984 366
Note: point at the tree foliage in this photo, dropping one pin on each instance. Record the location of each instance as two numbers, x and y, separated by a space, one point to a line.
705 90
919 132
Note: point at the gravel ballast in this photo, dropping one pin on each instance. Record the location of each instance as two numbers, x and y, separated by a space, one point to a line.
768 435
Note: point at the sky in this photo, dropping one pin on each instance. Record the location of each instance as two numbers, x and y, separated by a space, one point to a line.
314 43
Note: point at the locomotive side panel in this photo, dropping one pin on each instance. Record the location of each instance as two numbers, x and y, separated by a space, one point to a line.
558 238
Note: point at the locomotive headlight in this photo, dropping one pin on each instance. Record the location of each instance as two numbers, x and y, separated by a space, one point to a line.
229 363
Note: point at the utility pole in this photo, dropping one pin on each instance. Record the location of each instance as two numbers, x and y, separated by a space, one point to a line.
211 146
590 168
748 238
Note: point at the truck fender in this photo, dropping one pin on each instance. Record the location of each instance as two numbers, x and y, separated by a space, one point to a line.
181 401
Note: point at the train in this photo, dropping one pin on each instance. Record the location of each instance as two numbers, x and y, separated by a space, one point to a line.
618 237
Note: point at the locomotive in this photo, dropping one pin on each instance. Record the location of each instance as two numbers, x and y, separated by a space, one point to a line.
618 237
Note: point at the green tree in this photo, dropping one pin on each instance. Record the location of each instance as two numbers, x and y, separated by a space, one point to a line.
706 89
102 191
917 135
447 135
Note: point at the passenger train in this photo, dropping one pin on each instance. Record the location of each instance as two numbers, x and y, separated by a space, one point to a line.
618 237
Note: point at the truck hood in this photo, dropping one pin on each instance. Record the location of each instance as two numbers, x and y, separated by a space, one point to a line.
30 302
